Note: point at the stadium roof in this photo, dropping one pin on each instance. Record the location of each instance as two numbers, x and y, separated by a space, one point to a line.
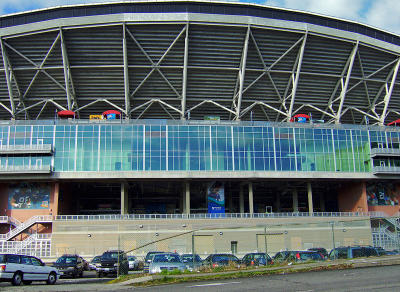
191 59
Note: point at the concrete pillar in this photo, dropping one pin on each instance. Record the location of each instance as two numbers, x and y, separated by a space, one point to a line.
278 203
187 198
322 202
251 204
181 203
295 201
241 199
230 203
54 204
124 198
310 199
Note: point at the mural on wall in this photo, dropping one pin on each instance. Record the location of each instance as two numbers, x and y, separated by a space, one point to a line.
216 197
29 196
383 194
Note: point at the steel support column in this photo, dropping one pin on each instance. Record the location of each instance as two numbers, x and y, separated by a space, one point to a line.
389 91
8 79
342 95
66 70
242 72
126 72
184 74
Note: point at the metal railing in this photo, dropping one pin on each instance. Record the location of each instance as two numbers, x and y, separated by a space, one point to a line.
28 148
26 224
33 246
214 216
386 169
25 168
386 151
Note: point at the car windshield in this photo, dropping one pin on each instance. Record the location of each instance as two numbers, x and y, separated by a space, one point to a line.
222 258
189 258
131 258
110 256
166 258
150 255
96 259
66 260
2 258
258 256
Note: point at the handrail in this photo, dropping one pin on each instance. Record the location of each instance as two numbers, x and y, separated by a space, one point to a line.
26 224
214 216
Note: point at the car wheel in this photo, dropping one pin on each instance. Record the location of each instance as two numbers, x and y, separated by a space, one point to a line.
27 282
81 274
17 279
51 280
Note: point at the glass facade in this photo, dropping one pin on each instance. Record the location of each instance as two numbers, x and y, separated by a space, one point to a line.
182 146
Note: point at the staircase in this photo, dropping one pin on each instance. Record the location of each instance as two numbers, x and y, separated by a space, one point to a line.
25 225
387 235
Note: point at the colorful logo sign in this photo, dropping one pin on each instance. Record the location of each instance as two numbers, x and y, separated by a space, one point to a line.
29 196
216 197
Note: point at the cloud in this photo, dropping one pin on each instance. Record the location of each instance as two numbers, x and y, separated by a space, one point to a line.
384 14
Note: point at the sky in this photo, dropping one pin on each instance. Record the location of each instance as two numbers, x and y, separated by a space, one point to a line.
383 14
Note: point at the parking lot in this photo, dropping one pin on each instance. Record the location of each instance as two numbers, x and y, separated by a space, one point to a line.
88 282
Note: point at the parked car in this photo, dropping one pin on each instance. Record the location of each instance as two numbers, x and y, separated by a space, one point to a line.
19 269
298 256
94 262
381 251
70 265
192 263
321 250
257 259
221 259
166 262
350 252
392 252
148 259
112 262
133 262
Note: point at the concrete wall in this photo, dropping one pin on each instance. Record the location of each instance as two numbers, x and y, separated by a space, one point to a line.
352 197
91 238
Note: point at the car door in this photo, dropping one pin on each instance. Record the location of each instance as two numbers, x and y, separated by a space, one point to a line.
39 270
27 268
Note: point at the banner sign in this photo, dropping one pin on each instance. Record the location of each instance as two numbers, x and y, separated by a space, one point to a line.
216 197
29 196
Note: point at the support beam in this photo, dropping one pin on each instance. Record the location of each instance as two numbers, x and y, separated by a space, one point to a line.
295 201
185 69
278 202
322 202
343 92
187 198
8 79
124 198
251 203
389 92
242 72
241 199
66 70
126 71
310 199
295 78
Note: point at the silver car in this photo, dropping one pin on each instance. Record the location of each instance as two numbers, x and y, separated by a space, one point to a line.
166 262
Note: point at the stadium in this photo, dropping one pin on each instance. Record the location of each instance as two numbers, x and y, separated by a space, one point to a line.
146 119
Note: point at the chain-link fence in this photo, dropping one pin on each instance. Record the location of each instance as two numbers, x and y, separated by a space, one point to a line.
205 237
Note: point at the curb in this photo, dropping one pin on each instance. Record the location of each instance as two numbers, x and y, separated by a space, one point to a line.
351 264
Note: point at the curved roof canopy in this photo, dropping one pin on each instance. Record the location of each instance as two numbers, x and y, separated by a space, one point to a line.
192 59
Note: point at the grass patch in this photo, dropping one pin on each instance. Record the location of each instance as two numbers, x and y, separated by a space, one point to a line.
239 274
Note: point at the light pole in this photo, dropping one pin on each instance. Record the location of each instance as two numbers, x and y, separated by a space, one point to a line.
333 239
266 246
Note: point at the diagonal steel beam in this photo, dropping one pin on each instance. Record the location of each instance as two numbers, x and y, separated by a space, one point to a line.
242 72
214 103
6 65
126 70
185 73
296 77
41 65
71 99
35 65
389 92
343 92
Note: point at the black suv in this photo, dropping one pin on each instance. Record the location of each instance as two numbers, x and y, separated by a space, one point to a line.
112 262
70 265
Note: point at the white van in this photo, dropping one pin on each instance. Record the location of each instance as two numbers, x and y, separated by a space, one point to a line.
19 269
